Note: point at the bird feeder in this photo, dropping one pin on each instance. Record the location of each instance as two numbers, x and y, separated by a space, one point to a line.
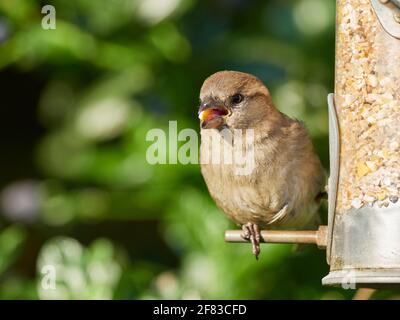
364 188
362 238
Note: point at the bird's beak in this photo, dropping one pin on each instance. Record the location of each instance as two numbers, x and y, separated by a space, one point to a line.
212 115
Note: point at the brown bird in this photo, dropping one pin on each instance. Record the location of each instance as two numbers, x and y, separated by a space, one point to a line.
284 187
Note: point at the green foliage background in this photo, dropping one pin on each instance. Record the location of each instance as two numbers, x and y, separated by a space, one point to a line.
77 102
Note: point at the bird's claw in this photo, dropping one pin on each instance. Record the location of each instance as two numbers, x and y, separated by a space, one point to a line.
251 232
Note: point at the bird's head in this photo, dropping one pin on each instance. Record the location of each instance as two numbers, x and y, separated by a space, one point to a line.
233 99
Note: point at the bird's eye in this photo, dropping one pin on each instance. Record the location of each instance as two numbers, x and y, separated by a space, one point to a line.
236 98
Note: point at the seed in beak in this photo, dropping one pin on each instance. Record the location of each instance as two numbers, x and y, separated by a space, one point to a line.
211 113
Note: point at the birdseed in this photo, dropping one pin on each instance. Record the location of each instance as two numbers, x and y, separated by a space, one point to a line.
367 98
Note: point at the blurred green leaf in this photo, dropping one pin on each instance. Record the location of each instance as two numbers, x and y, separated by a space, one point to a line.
11 241
79 272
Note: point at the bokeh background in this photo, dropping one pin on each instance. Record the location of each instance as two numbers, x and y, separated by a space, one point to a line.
76 102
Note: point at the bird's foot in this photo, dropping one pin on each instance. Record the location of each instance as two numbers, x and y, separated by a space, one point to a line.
251 232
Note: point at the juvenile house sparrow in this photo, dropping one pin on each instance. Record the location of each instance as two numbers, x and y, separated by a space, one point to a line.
284 188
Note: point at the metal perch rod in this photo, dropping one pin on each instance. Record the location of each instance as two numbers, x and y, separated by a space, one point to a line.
318 237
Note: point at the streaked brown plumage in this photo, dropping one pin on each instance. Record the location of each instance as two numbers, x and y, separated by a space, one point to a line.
282 190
